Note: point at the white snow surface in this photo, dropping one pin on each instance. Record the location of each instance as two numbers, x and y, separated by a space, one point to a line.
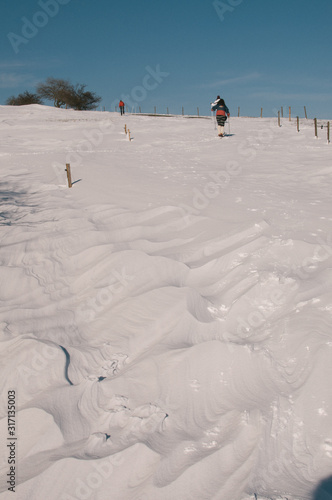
166 322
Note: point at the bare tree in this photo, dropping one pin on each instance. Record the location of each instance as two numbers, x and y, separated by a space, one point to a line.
56 90
23 99
82 99
63 93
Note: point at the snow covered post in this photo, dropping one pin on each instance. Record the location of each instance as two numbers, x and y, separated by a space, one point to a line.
68 175
298 123
289 113
129 134
316 133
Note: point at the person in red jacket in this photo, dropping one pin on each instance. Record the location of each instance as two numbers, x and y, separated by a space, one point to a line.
121 106
222 112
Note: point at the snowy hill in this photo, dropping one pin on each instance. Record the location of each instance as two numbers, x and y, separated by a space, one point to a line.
166 322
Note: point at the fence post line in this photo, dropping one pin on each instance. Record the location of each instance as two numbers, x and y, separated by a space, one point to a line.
68 175
316 133
289 113
305 112
298 123
278 118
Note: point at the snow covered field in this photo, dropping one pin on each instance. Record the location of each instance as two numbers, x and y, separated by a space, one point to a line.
166 322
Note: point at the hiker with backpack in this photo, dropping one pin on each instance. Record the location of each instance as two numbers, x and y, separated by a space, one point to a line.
222 112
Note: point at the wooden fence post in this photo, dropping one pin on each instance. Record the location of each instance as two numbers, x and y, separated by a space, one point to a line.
68 175
261 112
197 111
155 110
328 132
125 127
316 133
298 123
238 111
289 113
182 111
129 134
278 118
305 112
282 112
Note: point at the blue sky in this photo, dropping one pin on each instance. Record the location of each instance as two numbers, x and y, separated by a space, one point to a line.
254 53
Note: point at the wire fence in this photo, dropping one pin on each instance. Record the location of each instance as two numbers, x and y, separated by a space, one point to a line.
285 111
319 127
282 114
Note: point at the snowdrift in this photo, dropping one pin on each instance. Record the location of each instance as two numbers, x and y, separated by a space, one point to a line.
166 322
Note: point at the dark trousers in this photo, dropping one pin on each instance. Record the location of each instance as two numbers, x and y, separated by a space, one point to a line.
221 120
122 110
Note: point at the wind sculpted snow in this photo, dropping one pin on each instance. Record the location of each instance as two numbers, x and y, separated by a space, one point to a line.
166 322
